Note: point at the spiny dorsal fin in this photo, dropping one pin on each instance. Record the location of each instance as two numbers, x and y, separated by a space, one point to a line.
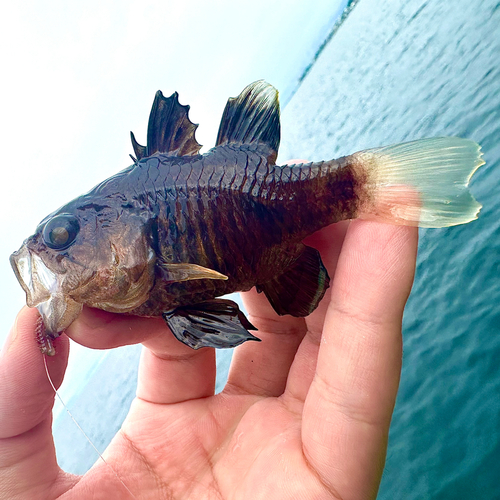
169 129
140 151
252 117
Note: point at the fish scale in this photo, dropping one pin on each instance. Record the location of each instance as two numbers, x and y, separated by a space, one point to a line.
175 231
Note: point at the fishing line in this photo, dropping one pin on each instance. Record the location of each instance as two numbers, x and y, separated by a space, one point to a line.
81 430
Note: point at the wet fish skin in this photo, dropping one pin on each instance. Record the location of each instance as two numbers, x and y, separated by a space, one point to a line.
177 229
107 259
245 221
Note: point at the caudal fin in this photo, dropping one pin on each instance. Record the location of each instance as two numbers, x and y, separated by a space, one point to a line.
420 183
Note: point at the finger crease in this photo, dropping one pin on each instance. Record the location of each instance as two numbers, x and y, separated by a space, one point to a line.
357 315
352 411
180 357
277 326
290 401
328 487
235 388
162 486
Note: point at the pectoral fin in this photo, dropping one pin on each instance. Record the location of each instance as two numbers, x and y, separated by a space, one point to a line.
186 272
214 323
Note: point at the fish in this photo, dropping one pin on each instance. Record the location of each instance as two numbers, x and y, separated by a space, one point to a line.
175 231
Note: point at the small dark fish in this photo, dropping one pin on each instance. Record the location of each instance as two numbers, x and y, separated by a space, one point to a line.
177 229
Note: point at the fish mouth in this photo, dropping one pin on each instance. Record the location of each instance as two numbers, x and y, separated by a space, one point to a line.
33 275
44 291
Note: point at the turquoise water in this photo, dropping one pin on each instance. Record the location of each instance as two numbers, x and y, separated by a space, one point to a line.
394 72
402 71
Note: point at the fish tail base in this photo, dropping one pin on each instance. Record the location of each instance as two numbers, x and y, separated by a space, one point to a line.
421 183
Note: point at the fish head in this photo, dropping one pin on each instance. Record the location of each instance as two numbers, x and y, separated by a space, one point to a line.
86 254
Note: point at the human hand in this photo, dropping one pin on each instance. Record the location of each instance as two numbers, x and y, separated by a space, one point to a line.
305 413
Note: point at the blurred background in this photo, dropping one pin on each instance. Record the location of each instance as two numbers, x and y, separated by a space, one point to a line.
352 75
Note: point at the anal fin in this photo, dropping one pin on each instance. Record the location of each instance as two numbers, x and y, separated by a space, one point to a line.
213 323
300 288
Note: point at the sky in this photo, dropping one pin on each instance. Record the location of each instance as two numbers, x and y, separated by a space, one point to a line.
78 76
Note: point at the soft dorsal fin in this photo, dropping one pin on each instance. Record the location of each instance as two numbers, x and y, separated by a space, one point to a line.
252 117
169 129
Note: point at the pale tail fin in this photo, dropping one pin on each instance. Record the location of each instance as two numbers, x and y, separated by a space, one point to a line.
420 183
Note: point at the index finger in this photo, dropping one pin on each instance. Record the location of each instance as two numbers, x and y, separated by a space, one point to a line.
100 329
169 371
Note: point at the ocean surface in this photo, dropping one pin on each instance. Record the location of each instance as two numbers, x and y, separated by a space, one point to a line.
395 71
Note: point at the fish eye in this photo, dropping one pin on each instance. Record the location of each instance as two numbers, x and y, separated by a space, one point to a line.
60 231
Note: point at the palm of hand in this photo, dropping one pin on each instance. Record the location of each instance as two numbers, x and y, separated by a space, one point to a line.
245 442
305 413
238 446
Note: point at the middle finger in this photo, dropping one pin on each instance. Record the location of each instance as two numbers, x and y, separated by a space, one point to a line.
261 368
329 242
